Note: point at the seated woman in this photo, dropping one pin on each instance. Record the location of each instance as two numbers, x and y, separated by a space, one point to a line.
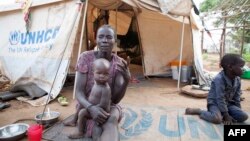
118 80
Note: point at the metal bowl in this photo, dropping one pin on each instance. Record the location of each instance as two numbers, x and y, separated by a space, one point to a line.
13 132
47 118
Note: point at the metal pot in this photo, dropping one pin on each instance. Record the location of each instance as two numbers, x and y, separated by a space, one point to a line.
13 132
47 118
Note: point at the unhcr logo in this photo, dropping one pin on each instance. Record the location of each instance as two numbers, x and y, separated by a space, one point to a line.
37 37
14 37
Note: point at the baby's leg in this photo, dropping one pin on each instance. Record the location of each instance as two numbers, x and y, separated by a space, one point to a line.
73 121
213 115
97 132
82 120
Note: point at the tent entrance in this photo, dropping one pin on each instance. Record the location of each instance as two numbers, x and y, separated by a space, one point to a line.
124 21
129 44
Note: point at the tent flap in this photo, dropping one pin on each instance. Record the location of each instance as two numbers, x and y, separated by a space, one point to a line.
176 7
106 4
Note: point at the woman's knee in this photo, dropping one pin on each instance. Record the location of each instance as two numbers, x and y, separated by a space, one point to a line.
112 121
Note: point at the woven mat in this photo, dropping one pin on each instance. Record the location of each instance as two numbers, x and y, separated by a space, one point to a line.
59 132
153 123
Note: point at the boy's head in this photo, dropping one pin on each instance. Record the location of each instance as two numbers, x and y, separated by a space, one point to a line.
232 64
101 70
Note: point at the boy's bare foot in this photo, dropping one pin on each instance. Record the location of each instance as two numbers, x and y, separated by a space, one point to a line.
69 123
193 111
76 135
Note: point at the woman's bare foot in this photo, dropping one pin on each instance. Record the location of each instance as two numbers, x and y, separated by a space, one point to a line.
76 135
193 111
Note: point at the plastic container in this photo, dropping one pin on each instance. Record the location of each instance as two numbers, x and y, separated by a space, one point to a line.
175 70
175 73
35 132
184 73
176 63
246 74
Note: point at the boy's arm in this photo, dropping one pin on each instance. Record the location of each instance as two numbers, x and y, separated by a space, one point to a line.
221 102
237 95
220 96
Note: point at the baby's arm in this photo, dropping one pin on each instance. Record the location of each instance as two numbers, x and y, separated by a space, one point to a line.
105 99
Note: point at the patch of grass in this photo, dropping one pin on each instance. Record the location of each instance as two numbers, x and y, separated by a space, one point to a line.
234 50
204 56
213 62
246 57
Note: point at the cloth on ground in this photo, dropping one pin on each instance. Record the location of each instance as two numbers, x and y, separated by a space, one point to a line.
59 132
147 123
194 92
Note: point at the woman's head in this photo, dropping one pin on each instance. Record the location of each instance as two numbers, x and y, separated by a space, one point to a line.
232 64
101 70
105 38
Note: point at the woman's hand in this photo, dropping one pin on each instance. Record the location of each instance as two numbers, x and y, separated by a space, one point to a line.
98 114
123 67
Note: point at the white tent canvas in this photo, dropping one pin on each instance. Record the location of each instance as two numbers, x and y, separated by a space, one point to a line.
43 55
39 57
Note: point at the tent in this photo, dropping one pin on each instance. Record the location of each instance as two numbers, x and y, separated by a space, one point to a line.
39 51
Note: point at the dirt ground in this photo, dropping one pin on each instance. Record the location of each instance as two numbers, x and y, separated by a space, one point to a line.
148 92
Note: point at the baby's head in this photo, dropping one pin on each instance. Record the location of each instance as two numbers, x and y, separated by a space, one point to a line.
232 64
101 70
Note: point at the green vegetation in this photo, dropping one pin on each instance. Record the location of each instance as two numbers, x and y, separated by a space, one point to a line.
235 13
246 57
207 5
204 56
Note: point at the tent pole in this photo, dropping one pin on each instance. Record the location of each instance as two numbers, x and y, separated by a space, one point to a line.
81 40
181 51
116 43
140 45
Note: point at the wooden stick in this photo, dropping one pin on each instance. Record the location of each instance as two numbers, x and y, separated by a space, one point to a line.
181 50
81 40
229 27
